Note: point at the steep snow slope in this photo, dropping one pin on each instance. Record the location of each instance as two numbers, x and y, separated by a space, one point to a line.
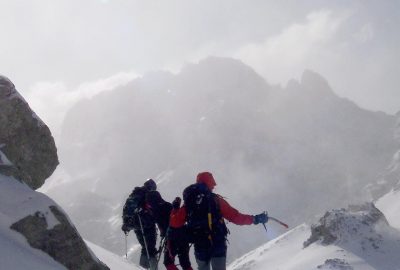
17 201
357 238
390 206
112 260
287 253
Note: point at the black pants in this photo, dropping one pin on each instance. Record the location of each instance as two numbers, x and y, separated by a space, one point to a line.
178 245
151 238
180 249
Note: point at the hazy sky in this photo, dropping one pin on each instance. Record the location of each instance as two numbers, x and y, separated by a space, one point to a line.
57 51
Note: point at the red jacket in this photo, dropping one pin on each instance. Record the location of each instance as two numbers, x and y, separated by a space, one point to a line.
231 214
178 216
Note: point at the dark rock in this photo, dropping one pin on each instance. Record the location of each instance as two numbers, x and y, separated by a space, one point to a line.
26 141
344 224
336 264
62 242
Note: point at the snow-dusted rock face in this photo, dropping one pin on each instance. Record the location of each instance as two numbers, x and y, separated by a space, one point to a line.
62 242
34 228
345 225
27 148
28 154
356 238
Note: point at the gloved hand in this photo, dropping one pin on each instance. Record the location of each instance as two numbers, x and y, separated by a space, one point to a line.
138 210
260 218
176 203
125 228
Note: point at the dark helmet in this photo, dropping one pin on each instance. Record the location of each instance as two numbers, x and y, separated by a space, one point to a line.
150 185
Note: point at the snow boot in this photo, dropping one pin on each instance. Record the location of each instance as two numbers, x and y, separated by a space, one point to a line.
144 262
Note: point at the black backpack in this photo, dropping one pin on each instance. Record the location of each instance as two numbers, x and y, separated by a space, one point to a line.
203 216
133 207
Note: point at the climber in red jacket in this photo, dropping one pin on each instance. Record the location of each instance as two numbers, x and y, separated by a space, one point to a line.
204 213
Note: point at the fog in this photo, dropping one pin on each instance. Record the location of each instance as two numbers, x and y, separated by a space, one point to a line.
293 112
354 44
295 151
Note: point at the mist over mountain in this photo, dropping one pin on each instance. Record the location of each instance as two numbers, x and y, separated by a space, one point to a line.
295 151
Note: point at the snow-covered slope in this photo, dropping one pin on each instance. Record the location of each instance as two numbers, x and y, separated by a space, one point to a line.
113 261
17 201
356 238
390 206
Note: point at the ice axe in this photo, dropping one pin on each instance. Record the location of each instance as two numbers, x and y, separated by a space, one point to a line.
276 220
280 222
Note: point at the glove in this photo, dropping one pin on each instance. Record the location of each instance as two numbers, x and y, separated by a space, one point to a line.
176 203
260 218
125 228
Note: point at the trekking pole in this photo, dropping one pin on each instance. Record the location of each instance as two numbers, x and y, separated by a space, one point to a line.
126 246
161 248
265 227
144 238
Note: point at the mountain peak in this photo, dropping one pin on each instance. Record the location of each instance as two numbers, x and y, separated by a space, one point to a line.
315 83
222 69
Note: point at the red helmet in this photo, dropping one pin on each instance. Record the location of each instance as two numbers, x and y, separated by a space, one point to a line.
207 179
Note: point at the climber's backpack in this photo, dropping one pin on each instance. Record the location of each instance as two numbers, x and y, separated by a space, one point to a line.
203 216
134 206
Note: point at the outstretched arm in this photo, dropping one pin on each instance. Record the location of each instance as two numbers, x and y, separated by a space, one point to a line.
233 215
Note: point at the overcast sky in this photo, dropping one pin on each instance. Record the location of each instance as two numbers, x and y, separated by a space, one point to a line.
57 51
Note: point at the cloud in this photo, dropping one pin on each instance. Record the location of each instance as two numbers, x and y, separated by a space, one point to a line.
365 34
52 100
284 56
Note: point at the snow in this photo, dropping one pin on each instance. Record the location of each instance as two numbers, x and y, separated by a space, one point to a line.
113 261
369 247
4 161
287 253
390 206
16 202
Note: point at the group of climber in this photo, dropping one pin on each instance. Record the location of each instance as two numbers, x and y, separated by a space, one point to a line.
198 221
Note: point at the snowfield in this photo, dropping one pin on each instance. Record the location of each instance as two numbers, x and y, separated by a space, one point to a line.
359 243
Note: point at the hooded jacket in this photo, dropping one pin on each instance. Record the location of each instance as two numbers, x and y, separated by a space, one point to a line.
227 211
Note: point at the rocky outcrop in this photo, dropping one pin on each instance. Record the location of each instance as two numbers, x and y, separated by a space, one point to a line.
26 142
345 225
28 154
62 242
